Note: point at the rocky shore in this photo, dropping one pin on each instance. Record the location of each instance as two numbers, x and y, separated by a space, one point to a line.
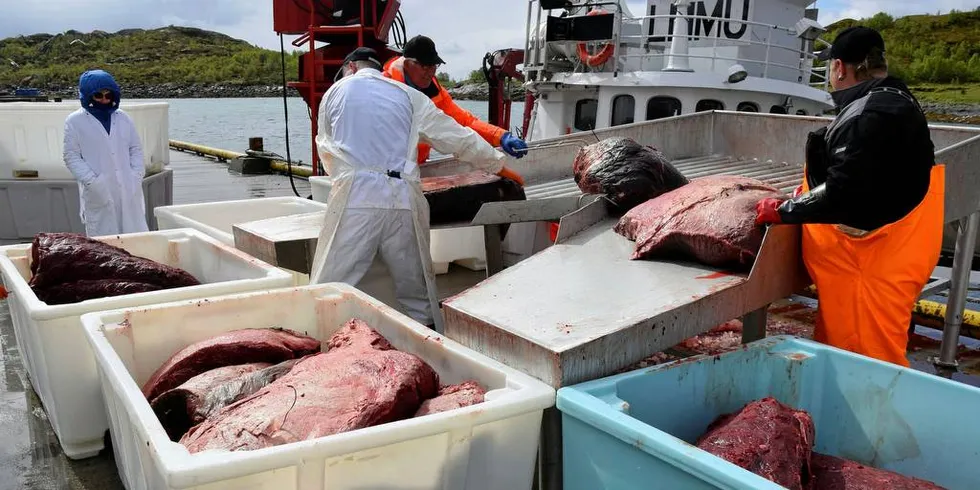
478 91
481 91
177 91
936 112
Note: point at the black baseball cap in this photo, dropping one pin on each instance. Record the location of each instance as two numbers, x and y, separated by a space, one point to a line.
423 50
363 54
853 45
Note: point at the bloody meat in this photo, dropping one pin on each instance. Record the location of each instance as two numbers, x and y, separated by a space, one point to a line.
250 345
77 291
361 381
711 221
457 198
69 257
767 438
625 171
831 473
181 408
452 397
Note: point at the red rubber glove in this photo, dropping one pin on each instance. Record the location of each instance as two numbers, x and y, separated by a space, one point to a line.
767 211
798 191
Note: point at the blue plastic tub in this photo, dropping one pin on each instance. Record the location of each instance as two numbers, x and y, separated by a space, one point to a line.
635 430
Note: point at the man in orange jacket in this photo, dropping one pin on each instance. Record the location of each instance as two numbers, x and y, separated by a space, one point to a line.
417 69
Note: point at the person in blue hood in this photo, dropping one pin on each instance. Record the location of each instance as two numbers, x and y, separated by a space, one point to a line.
103 151
99 94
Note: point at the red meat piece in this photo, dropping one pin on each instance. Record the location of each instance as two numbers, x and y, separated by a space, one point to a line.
457 198
181 408
360 382
830 473
244 346
78 291
453 397
68 257
711 221
767 438
625 171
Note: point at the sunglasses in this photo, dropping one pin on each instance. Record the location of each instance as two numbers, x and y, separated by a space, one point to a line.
423 65
102 96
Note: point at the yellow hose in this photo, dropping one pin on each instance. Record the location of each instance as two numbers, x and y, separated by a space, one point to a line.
277 165
282 166
205 150
936 310
971 319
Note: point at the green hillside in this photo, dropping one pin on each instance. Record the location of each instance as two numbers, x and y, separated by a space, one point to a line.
179 55
927 49
938 54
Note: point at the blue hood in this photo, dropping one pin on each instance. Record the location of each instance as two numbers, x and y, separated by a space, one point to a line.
94 81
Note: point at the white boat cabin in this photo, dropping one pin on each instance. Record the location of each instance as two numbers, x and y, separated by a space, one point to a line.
595 64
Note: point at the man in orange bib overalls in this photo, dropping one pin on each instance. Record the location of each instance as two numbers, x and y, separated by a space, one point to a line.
417 69
871 204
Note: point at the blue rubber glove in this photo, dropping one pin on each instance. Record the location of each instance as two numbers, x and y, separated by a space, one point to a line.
513 145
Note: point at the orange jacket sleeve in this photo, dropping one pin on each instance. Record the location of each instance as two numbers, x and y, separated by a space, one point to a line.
489 132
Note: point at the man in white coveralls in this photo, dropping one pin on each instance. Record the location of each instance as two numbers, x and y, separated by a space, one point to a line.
369 129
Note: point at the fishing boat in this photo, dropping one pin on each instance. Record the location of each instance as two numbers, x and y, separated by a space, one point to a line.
592 65
728 87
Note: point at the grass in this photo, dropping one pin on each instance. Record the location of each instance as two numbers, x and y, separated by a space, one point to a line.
960 93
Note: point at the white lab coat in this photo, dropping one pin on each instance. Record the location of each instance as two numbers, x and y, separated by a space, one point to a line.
109 170
370 212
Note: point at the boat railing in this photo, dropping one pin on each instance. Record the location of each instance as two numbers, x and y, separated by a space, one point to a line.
806 69
804 66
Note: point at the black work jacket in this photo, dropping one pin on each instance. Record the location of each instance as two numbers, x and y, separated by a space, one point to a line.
871 165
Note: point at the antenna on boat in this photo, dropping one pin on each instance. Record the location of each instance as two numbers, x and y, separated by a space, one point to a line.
677 60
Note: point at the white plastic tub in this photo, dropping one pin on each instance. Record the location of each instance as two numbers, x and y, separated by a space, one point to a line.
216 219
320 188
59 360
464 246
32 136
30 206
488 446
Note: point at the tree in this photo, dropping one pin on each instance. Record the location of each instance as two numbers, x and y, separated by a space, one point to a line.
880 21
476 76
445 80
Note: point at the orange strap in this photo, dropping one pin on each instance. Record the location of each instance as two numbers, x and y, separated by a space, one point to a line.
867 285
509 173
394 69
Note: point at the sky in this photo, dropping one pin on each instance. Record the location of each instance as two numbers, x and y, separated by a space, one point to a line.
464 30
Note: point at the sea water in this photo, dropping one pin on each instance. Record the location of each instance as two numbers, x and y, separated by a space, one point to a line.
228 123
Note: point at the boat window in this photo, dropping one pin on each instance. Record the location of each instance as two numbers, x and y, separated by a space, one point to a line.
622 110
777 109
660 106
801 112
748 107
585 111
709 105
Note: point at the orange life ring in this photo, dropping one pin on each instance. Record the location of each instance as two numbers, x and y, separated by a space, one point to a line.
602 56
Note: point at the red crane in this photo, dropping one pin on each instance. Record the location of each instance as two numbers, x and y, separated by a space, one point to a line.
499 67
343 25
